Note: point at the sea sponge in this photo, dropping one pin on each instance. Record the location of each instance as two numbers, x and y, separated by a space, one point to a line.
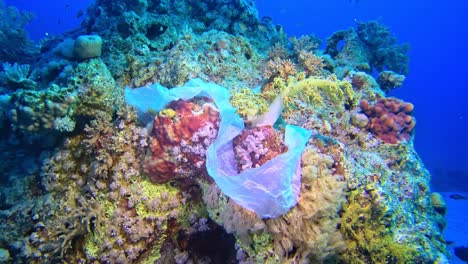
309 230
87 46
181 134
390 119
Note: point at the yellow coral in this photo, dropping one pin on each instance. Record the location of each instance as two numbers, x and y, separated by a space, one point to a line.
438 203
310 227
364 229
248 103
168 112
318 92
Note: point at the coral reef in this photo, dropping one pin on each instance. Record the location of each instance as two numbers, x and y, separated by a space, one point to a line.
16 45
180 135
390 119
370 46
255 146
389 80
83 180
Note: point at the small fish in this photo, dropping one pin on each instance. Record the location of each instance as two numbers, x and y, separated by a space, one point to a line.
80 13
457 197
67 5
59 21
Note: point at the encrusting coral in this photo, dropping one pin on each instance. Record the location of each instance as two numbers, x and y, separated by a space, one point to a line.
390 119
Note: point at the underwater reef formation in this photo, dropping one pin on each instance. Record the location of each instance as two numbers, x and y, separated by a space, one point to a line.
87 178
15 43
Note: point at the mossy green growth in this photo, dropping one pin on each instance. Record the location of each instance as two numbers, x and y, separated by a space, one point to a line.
155 251
162 192
96 87
248 103
93 239
366 226
259 246
318 92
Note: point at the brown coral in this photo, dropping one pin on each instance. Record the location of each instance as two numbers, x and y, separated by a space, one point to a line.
279 68
312 63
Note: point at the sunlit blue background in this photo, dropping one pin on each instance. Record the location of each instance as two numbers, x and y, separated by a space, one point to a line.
437 83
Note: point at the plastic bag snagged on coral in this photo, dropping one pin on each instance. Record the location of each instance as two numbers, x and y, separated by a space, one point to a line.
269 190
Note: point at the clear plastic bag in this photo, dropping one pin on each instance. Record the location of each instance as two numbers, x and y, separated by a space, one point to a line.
269 190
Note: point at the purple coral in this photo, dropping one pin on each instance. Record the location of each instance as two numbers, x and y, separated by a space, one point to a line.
255 146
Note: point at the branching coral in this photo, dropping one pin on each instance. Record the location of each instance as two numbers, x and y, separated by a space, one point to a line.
386 53
279 68
16 45
312 64
84 219
369 46
17 75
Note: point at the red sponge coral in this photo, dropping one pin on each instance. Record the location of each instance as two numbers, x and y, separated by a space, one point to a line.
180 137
390 119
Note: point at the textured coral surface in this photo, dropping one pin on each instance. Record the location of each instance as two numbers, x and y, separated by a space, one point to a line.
180 135
84 180
390 119
255 146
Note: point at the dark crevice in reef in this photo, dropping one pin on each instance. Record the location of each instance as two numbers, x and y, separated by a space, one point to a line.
214 245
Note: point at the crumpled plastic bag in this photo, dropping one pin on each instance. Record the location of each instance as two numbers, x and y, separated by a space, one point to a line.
269 190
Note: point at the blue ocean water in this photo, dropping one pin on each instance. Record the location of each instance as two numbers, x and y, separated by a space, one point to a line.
436 84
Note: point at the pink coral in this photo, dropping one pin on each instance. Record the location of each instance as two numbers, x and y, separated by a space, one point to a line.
390 119
179 142
255 146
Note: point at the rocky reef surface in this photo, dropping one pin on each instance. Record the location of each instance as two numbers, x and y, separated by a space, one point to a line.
84 179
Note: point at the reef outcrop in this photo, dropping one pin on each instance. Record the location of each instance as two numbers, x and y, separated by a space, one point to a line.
87 178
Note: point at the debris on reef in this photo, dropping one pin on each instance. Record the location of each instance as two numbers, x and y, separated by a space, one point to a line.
86 180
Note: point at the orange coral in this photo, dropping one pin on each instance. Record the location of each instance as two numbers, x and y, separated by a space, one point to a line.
390 119
279 67
313 64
